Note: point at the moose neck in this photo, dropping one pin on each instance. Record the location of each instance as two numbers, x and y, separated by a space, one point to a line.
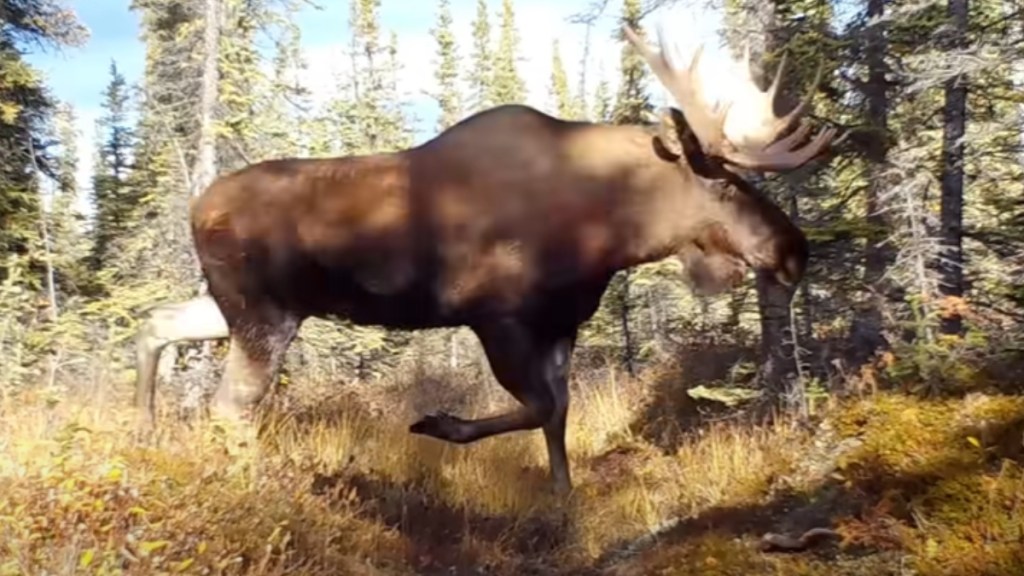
661 206
667 209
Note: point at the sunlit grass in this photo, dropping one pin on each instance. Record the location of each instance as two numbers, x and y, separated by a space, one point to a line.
333 486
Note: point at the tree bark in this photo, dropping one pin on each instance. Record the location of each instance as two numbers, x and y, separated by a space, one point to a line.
878 255
205 169
754 23
628 345
952 178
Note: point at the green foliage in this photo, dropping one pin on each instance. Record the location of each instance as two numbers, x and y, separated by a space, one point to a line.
632 101
602 111
114 200
938 363
446 71
508 85
368 115
480 74
560 97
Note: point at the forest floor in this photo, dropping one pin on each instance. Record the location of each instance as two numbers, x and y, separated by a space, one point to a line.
336 485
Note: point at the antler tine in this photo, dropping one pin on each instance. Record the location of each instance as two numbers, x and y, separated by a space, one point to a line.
777 80
685 87
786 144
707 123
747 68
774 154
775 159
784 123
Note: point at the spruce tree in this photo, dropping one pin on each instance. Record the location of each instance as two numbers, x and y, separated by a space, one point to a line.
446 71
112 196
481 72
508 86
560 98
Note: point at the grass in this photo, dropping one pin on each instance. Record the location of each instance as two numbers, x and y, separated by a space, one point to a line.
335 484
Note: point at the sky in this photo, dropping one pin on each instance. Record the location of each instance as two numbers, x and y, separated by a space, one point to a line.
79 75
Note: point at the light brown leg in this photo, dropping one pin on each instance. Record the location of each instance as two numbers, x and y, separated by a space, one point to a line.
192 320
254 357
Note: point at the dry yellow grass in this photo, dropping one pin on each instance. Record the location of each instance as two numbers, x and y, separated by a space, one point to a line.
335 484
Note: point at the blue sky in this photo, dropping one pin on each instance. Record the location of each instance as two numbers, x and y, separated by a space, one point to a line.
79 75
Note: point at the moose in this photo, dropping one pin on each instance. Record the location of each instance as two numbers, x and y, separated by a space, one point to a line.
511 222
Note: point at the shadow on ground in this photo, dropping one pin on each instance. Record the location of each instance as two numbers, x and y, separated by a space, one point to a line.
447 539
931 483
956 512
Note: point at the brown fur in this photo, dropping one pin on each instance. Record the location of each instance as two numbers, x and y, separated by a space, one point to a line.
512 222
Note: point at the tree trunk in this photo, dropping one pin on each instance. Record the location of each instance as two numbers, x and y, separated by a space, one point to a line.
951 258
878 255
753 23
205 169
628 348
44 232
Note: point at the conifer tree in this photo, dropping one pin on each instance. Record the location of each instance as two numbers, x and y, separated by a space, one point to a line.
67 240
602 111
481 72
561 101
631 104
509 86
112 196
446 71
632 101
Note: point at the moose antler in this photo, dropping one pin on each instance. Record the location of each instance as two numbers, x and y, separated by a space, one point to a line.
756 146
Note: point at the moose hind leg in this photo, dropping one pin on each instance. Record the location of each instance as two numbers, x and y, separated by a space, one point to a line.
556 374
531 366
255 355
191 320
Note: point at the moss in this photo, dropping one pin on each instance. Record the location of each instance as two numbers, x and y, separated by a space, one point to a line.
940 479
899 434
973 520
713 554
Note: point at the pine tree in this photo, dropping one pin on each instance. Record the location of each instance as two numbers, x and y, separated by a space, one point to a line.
560 98
240 82
602 111
284 105
113 198
155 257
632 101
950 263
446 73
508 85
481 73
67 240
368 113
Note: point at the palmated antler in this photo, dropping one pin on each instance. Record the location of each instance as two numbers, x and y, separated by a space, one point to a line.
757 146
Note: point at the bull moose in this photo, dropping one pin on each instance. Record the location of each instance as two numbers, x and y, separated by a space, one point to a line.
511 222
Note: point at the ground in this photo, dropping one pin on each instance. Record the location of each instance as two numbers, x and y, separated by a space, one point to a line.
336 485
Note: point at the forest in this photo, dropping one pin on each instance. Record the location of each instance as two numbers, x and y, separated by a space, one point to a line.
870 421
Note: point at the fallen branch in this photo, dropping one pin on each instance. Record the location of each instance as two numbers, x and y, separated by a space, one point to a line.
772 542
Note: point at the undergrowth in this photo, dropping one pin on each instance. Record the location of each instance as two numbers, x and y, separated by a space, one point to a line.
336 485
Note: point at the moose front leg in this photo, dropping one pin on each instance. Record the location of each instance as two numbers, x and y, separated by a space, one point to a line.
533 365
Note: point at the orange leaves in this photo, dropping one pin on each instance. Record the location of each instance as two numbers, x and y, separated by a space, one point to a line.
952 306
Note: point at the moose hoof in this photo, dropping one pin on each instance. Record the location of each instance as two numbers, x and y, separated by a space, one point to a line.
443 426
